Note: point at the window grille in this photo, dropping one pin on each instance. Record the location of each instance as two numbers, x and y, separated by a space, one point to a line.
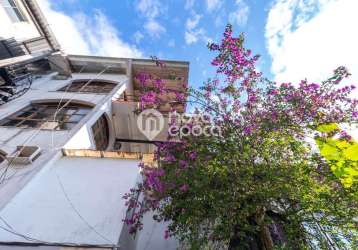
43 116
13 10
101 133
96 87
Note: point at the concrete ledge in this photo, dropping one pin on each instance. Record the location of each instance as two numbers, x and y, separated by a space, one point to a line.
147 158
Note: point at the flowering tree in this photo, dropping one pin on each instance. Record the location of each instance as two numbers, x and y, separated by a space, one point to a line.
263 183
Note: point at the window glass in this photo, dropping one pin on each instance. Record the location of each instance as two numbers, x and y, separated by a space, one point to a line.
2 157
50 116
100 132
67 125
13 10
95 87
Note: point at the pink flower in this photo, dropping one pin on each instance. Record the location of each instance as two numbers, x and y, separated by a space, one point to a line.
184 188
273 92
169 158
252 98
183 163
166 234
193 155
148 98
248 129
344 136
180 96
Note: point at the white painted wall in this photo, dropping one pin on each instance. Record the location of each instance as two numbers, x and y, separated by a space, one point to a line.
125 121
152 236
44 89
19 30
95 186
51 142
51 202
83 139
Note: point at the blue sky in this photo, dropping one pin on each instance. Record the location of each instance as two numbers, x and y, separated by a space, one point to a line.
295 38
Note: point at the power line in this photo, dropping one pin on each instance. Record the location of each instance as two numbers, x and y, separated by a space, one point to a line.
11 230
58 106
77 212
3 175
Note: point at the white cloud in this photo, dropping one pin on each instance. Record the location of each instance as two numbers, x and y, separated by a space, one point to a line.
138 36
154 28
151 9
193 36
192 22
240 15
310 40
212 5
192 33
87 35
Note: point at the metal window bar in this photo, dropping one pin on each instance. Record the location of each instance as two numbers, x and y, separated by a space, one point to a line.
16 81
39 115
13 11
11 48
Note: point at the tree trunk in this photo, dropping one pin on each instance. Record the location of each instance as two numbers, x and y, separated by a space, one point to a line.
266 238
265 235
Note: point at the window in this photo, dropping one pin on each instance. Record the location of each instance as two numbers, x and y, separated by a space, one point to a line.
13 10
42 116
100 132
2 157
84 86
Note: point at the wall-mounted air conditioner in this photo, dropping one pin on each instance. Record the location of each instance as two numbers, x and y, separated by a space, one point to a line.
24 155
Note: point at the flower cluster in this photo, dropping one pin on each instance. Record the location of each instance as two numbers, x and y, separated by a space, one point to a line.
263 124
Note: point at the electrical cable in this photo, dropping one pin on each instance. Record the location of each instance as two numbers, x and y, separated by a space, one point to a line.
3 175
59 103
77 212
62 187
11 230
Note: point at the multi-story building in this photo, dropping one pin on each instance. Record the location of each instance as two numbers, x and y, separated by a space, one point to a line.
69 141
24 30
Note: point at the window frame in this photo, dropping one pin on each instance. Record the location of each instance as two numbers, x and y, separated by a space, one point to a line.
2 157
41 113
100 129
92 87
13 11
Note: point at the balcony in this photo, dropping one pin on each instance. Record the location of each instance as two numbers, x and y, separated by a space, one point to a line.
14 82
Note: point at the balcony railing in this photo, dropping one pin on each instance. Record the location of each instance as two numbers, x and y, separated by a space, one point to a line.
14 82
10 48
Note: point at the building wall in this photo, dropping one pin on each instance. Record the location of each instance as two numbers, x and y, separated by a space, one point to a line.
73 200
152 235
19 30
44 89
51 142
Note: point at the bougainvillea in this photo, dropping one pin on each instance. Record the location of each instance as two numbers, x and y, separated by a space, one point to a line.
261 184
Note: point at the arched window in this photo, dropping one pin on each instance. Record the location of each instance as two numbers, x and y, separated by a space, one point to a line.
100 132
89 86
49 115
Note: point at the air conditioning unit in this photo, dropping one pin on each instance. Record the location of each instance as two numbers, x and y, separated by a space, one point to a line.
24 155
